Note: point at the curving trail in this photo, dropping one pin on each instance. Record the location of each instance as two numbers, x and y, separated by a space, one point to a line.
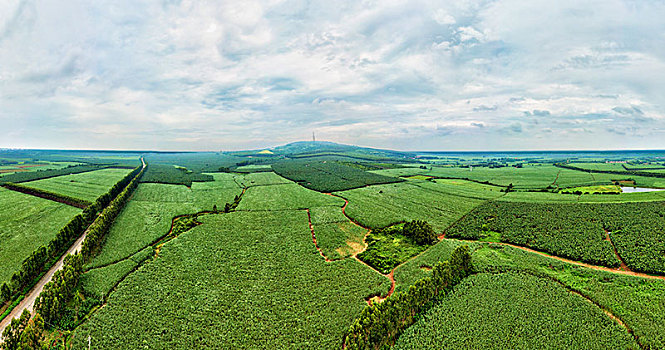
28 302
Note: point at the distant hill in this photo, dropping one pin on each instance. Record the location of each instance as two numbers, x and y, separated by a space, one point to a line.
304 149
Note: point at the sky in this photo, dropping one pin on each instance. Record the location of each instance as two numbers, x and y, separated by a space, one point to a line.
406 75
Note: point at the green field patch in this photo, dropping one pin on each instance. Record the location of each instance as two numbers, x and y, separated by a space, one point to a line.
606 189
97 283
260 179
387 248
419 177
328 176
489 311
86 186
382 205
26 223
637 301
254 279
571 230
285 196
143 221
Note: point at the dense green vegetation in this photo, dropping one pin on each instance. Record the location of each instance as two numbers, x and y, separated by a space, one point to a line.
569 230
170 174
576 231
336 236
83 186
638 233
230 259
328 176
53 300
637 301
45 174
380 324
388 247
26 223
252 278
514 311
384 205
285 196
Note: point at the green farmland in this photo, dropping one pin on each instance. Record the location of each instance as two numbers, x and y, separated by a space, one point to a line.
216 250
86 186
26 223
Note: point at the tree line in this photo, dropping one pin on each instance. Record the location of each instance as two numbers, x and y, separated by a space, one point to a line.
76 202
54 297
380 324
43 257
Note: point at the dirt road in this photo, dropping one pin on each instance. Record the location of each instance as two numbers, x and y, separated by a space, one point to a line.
28 303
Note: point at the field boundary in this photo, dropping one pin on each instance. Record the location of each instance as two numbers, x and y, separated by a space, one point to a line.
52 196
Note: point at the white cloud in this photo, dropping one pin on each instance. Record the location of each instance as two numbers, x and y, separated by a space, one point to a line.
399 74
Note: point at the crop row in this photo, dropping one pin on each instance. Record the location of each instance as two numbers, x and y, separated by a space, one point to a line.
239 280
514 311
328 176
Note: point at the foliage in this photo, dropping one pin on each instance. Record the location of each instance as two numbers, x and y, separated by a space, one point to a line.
53 298
420 231
86 186
254 279
487 311
383 205
328 176
389 247
27 225
79 203
45 174
23 333
286 196
380 324
169 174
638 233
637 301
569 230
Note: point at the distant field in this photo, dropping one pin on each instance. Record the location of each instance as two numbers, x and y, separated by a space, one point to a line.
285 196
26 223
606 189
33 166
488 311
382 205
328 176
87 186
254 279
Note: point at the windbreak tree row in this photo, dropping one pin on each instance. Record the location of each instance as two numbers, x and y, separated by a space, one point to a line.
79 203
43 257
56 293
379 325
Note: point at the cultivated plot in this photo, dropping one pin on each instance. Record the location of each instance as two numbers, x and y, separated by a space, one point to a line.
243 279
26 223
86 186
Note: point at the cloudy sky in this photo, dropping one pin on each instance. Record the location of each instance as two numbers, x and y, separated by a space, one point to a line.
411 75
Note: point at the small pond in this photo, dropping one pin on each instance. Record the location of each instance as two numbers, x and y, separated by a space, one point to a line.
640 189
